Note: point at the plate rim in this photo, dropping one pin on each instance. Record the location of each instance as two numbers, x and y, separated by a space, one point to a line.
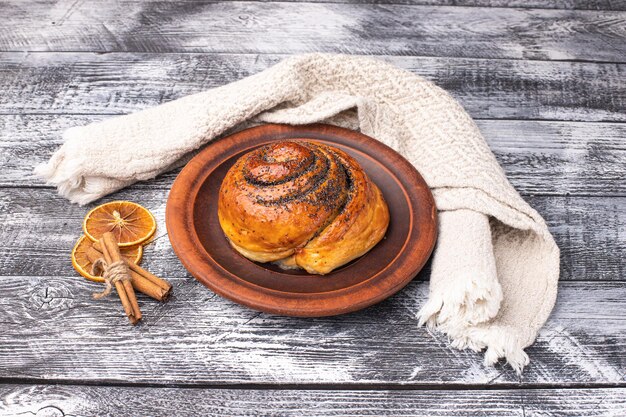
179 220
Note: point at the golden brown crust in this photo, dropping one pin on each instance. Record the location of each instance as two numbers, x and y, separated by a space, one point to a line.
301 203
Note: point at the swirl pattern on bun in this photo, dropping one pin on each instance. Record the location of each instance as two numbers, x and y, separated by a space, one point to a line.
301 204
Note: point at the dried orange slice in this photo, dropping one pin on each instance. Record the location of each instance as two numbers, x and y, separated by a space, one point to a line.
82 264
131 223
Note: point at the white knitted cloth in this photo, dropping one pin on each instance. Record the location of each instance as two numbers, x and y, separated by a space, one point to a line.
496 266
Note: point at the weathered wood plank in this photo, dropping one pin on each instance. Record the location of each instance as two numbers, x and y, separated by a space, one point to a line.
526 4
39 226
306 27
122 83
53 330
53 400
554 158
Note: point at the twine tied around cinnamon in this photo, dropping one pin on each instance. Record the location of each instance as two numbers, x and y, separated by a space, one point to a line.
112 273
114 269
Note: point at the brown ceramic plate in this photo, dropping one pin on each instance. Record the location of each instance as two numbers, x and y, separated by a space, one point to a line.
199 242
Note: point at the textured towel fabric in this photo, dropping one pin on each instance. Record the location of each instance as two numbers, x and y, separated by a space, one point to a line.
496 266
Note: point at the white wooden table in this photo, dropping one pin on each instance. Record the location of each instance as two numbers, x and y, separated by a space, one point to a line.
547 87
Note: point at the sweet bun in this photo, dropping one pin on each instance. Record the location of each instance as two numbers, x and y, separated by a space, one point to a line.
301 204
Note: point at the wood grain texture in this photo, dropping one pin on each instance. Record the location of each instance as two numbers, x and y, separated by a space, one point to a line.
68 400
547 158
38 225
53 330
255 27
123 82
526 4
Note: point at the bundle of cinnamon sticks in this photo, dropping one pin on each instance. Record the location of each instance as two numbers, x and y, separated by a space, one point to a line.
128 276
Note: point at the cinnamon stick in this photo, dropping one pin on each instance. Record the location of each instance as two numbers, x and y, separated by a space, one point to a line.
142 280
111 253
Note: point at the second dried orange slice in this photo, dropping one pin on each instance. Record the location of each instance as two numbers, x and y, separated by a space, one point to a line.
131 223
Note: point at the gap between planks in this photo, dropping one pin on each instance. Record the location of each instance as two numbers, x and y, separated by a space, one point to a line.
356 386
27 52
589 5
